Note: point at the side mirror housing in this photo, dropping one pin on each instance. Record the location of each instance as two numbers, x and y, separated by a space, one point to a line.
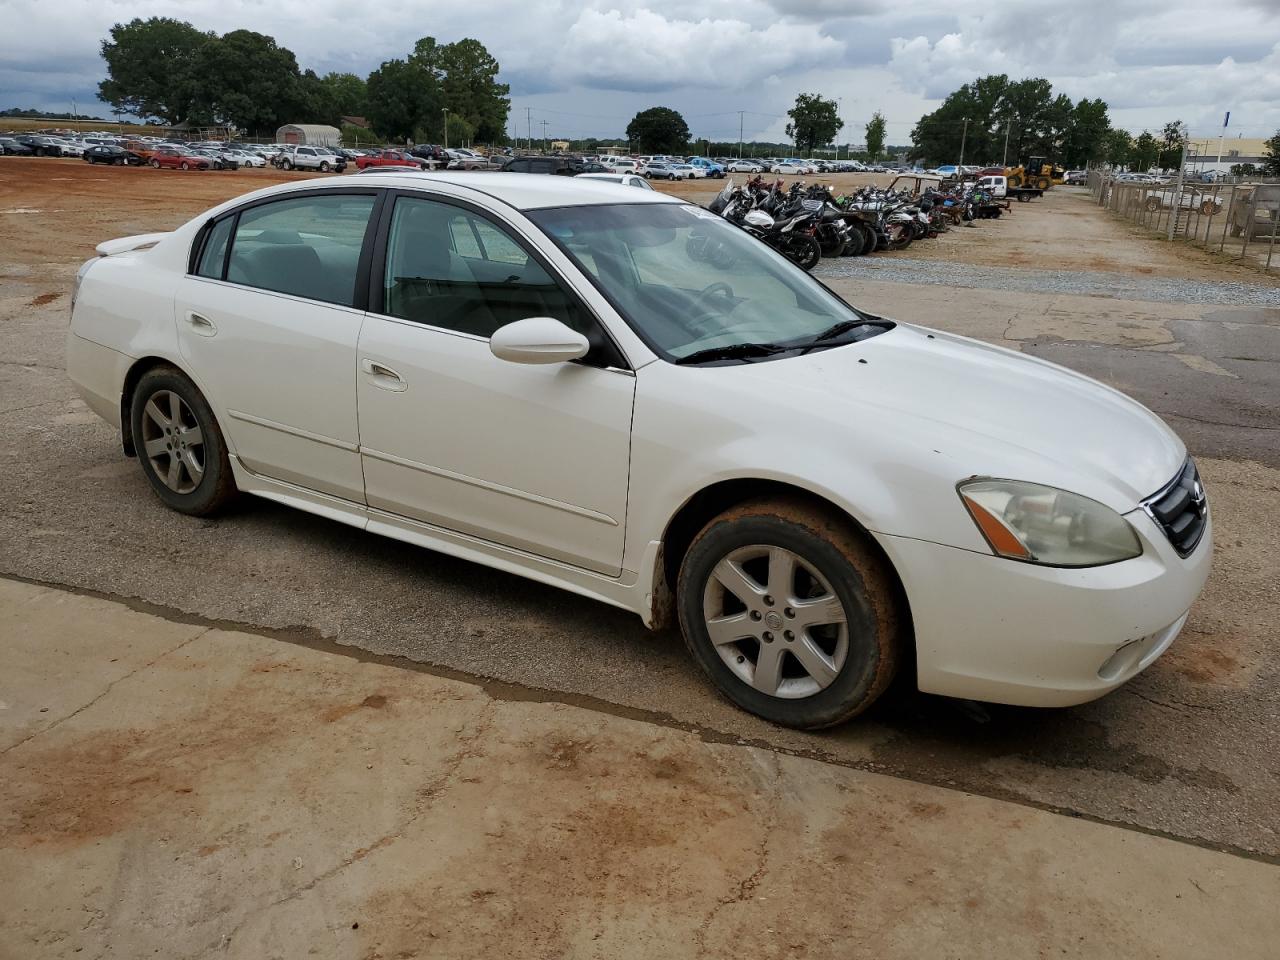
538 340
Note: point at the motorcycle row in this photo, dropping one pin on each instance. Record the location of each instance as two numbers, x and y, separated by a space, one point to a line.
806 224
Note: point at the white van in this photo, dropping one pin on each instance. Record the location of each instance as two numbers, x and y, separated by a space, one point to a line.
997 186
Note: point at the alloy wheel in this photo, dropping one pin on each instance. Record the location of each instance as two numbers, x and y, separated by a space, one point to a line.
775 621
173 442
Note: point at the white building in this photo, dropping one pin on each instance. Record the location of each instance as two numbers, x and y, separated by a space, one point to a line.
310 134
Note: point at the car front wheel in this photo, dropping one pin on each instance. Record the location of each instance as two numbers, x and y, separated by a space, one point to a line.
178 443
791 613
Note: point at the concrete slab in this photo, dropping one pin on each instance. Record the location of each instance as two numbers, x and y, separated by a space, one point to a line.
241 796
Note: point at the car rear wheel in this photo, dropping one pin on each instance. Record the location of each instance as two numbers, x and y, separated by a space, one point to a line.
156 164
324 166
1153 204
790 612
184 165
179 445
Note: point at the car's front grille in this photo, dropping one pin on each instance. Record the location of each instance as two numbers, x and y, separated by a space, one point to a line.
1180 509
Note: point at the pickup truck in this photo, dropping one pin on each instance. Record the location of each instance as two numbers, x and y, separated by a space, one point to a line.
310 158
390 158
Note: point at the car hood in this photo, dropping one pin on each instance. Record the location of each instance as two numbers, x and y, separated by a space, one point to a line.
985 410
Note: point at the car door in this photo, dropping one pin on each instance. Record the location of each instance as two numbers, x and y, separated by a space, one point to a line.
534 457
268 320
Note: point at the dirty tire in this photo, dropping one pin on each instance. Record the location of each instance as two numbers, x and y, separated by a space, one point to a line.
1152 204
1208 208
843 556
217 486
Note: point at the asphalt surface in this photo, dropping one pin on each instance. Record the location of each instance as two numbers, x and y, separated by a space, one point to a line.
1189 749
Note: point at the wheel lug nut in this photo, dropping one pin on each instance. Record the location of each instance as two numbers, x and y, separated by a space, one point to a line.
768 600
755 614
789 612
789 635
768 637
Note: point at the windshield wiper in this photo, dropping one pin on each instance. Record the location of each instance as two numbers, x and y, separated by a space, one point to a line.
733 351
841 328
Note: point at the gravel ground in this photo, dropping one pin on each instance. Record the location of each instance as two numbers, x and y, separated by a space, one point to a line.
893 269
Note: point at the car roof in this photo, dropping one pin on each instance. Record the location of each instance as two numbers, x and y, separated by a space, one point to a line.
523 191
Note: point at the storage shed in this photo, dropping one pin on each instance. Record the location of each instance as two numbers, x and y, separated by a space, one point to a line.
311 134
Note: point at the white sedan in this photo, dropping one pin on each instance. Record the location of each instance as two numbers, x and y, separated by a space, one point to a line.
788 167
745 166
624 179
621 394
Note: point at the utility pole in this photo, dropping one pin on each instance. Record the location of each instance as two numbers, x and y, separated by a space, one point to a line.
546 147
1221 139
1177 190
839 106
740 113
1004 160
964 135
445 111
528 118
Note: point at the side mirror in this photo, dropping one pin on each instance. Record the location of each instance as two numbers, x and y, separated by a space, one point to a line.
538 340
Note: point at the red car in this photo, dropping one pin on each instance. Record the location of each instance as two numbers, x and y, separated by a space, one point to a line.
389 158
177 159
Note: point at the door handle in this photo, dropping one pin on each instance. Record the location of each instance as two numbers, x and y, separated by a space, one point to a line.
383 376
201 324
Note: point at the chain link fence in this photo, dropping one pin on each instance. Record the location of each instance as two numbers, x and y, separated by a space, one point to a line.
1237 220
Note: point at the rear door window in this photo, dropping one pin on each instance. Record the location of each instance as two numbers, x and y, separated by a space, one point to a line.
305 246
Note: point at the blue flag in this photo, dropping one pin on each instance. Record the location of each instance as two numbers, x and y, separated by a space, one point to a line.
1226 119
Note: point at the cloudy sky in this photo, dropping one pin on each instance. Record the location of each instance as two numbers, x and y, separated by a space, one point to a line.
586 66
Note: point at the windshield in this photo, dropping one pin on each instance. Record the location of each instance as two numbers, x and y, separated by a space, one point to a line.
687 281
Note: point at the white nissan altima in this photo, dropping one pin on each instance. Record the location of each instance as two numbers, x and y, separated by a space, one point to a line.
620 394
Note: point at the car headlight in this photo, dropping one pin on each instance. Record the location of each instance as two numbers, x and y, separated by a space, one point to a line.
1039 524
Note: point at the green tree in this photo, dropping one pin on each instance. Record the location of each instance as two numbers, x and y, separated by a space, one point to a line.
1086 140
469 81
461 132
248 80
1118 148
408 98
1271 159
334 96
814 121
1171 141
1035 121
1145 152
875 135
977 113
1243 170
658 130
150 68
403 98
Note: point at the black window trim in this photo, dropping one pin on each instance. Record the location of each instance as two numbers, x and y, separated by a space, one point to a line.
359 294
613 356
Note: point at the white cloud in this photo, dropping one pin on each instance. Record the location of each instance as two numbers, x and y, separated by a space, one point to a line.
647 51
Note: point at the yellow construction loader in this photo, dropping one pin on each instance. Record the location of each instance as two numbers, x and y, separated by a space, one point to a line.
1035 172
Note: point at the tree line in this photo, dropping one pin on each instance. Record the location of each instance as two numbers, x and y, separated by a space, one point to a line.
998 120
168 70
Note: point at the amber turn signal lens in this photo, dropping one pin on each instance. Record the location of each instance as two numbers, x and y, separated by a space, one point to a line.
999 536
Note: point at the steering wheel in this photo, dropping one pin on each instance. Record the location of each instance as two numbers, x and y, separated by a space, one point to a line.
705 314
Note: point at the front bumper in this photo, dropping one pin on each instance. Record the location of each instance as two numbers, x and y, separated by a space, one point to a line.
998 630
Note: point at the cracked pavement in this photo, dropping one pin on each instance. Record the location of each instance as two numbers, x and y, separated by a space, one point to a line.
1188 750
